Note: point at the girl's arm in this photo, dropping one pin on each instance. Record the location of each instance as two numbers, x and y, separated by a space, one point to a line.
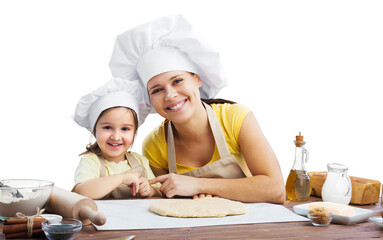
99 187
266 185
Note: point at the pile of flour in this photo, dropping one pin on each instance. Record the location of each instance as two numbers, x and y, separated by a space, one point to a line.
27 205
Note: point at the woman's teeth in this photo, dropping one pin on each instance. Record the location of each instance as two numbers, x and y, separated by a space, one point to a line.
176 106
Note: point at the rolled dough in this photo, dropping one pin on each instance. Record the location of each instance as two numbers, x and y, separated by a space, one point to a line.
200 207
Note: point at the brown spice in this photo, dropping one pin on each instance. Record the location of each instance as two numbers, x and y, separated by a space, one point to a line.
322 216
10 221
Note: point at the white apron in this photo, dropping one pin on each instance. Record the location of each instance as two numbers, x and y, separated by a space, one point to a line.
123 191
226 167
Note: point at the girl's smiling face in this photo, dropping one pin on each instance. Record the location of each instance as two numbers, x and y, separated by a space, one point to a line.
174 94
114 133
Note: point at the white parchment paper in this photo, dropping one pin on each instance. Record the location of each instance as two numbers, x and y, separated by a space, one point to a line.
135 214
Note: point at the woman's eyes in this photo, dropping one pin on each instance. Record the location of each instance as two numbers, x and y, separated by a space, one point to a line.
156 90
175 82
178 80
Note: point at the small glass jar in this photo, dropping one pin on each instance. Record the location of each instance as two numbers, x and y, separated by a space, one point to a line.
320 221
66 229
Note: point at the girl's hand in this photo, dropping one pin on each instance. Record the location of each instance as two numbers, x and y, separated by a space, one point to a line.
174 184
202 196
145 189
132 181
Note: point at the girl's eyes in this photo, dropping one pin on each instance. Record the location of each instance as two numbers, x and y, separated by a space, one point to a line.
123 129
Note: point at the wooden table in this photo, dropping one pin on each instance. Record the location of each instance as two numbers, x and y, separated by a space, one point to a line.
291 230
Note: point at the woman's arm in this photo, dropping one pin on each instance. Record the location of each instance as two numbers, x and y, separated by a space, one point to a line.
266 185
99 187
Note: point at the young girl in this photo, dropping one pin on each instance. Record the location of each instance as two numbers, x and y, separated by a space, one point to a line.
106 169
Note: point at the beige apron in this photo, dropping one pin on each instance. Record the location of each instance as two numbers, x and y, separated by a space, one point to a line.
123 191
226 167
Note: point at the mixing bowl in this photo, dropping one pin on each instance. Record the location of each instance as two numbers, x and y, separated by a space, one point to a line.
23 195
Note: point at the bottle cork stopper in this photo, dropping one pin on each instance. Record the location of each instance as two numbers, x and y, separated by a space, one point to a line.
299 138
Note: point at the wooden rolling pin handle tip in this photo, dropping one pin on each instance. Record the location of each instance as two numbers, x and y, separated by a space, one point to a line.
94 216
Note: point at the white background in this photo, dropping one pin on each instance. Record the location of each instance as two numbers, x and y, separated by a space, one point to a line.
309 66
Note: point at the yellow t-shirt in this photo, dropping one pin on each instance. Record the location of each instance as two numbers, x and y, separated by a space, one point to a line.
230 117
89 167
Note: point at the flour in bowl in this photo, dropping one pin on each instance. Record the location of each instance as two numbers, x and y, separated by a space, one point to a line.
27 205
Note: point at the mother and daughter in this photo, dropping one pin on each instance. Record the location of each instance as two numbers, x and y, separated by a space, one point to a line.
204 147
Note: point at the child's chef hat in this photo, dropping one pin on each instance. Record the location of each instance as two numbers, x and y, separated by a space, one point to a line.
115 93
163 45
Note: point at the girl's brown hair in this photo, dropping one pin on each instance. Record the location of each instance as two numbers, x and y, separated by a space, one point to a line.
93 147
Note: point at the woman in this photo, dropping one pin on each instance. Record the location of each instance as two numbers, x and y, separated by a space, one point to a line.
217 149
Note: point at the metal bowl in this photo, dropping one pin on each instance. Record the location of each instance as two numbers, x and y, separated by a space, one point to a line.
23 195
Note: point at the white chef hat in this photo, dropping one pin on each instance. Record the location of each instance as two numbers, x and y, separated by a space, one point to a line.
163 45
115 93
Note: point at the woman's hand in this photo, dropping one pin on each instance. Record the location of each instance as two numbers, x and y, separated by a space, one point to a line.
132 181
174 184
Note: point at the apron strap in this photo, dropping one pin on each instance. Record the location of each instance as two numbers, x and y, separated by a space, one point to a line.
220 140
103 173
171 150
102 167
218 135
133 162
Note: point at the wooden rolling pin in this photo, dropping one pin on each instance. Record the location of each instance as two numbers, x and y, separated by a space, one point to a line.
73 205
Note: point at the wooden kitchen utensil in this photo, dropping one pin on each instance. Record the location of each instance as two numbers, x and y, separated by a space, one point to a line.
73 205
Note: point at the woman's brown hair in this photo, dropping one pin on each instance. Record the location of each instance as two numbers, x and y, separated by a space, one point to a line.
217 101
214 100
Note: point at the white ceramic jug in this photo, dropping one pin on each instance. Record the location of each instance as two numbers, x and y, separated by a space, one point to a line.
337 187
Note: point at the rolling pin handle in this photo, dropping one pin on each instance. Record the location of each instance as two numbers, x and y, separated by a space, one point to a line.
95 217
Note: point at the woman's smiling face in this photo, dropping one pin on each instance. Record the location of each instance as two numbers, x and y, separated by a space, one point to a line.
174 94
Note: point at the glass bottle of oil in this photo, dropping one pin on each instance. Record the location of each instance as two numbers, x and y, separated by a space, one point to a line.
298 182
